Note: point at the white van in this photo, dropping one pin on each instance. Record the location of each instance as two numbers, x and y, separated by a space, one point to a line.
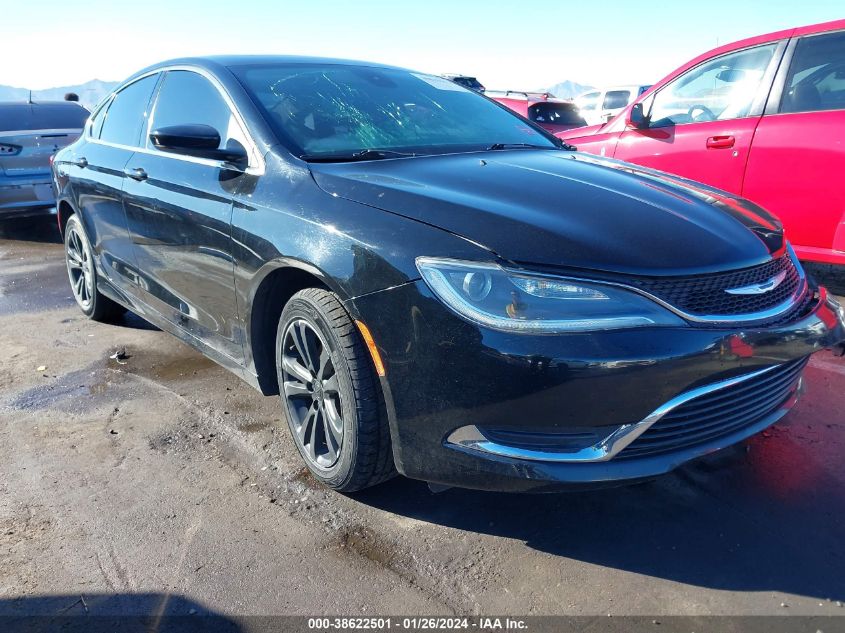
602 104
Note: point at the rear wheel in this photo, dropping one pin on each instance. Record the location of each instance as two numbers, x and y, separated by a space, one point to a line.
82 274
330 393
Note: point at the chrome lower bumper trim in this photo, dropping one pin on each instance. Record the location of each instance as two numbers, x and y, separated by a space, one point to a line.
470 437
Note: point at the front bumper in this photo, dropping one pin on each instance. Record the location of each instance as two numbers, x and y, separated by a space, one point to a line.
445 377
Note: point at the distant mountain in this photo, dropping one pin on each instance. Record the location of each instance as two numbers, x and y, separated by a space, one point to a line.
568 89
89 93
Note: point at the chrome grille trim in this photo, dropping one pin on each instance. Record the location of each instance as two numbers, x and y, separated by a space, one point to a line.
472 439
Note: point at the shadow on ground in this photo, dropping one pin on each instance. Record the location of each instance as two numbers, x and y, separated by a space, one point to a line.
43 286
42 229
125 612
725 522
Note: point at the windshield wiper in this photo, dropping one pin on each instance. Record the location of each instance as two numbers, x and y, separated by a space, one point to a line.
498 146
364 154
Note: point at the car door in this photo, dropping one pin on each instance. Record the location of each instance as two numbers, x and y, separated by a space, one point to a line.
180 209
700 124
97 173
798 155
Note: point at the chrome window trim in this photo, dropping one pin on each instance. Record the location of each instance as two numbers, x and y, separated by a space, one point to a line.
470 437
721 319
257 166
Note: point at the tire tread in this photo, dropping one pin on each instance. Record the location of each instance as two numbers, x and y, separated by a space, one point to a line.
373 461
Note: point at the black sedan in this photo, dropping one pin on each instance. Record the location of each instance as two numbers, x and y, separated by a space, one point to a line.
434 285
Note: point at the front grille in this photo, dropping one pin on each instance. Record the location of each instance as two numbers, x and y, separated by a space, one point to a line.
705 295
719 413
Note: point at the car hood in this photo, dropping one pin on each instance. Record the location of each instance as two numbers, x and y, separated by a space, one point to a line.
566 209
578 132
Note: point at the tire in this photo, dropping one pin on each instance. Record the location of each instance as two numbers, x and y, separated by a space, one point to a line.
330 394
82 274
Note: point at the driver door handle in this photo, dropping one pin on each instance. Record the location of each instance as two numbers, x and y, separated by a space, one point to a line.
136 173
80 162
720 142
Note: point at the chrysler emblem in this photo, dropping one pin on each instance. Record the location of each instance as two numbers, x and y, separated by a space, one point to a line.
759 289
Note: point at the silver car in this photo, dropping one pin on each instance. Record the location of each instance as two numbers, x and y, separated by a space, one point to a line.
30 133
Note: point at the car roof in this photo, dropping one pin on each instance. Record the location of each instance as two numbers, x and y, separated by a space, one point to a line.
41 115
218 63
524 97
821 27
213 62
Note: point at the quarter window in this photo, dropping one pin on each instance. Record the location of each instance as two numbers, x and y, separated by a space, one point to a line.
717 90
816 79
127 112
189 98
97 122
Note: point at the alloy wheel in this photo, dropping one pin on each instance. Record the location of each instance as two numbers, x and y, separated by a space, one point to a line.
79 267
312 395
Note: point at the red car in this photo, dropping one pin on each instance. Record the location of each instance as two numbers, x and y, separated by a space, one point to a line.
763 118
554 115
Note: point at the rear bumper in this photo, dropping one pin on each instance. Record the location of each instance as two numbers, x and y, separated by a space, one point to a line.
445 377
25 196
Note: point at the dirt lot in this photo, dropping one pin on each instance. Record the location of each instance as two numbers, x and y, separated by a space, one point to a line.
166 478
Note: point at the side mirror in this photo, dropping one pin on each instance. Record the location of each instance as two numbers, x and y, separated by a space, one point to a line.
636 118
201 141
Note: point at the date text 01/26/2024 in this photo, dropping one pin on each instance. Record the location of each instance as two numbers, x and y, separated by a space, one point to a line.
417 624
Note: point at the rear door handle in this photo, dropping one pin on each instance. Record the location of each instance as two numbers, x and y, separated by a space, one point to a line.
136 173
720 142
80 162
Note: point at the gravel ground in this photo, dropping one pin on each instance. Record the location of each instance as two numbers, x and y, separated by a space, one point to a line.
162 479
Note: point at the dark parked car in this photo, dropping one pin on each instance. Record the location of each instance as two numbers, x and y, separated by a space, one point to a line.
434 284
30 133
553 115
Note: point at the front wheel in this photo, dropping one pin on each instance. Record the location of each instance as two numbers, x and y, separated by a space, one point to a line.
330 393
83 275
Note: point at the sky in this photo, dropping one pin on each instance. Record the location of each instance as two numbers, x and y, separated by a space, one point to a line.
507 44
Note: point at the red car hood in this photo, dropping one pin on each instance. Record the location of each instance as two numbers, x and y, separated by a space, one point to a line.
578 132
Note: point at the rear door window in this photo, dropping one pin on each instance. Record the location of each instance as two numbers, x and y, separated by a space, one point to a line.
128 112
816 79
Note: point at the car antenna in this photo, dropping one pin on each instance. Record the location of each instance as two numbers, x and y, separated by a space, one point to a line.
29 100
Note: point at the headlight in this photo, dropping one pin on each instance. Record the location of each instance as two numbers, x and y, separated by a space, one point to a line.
502 299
